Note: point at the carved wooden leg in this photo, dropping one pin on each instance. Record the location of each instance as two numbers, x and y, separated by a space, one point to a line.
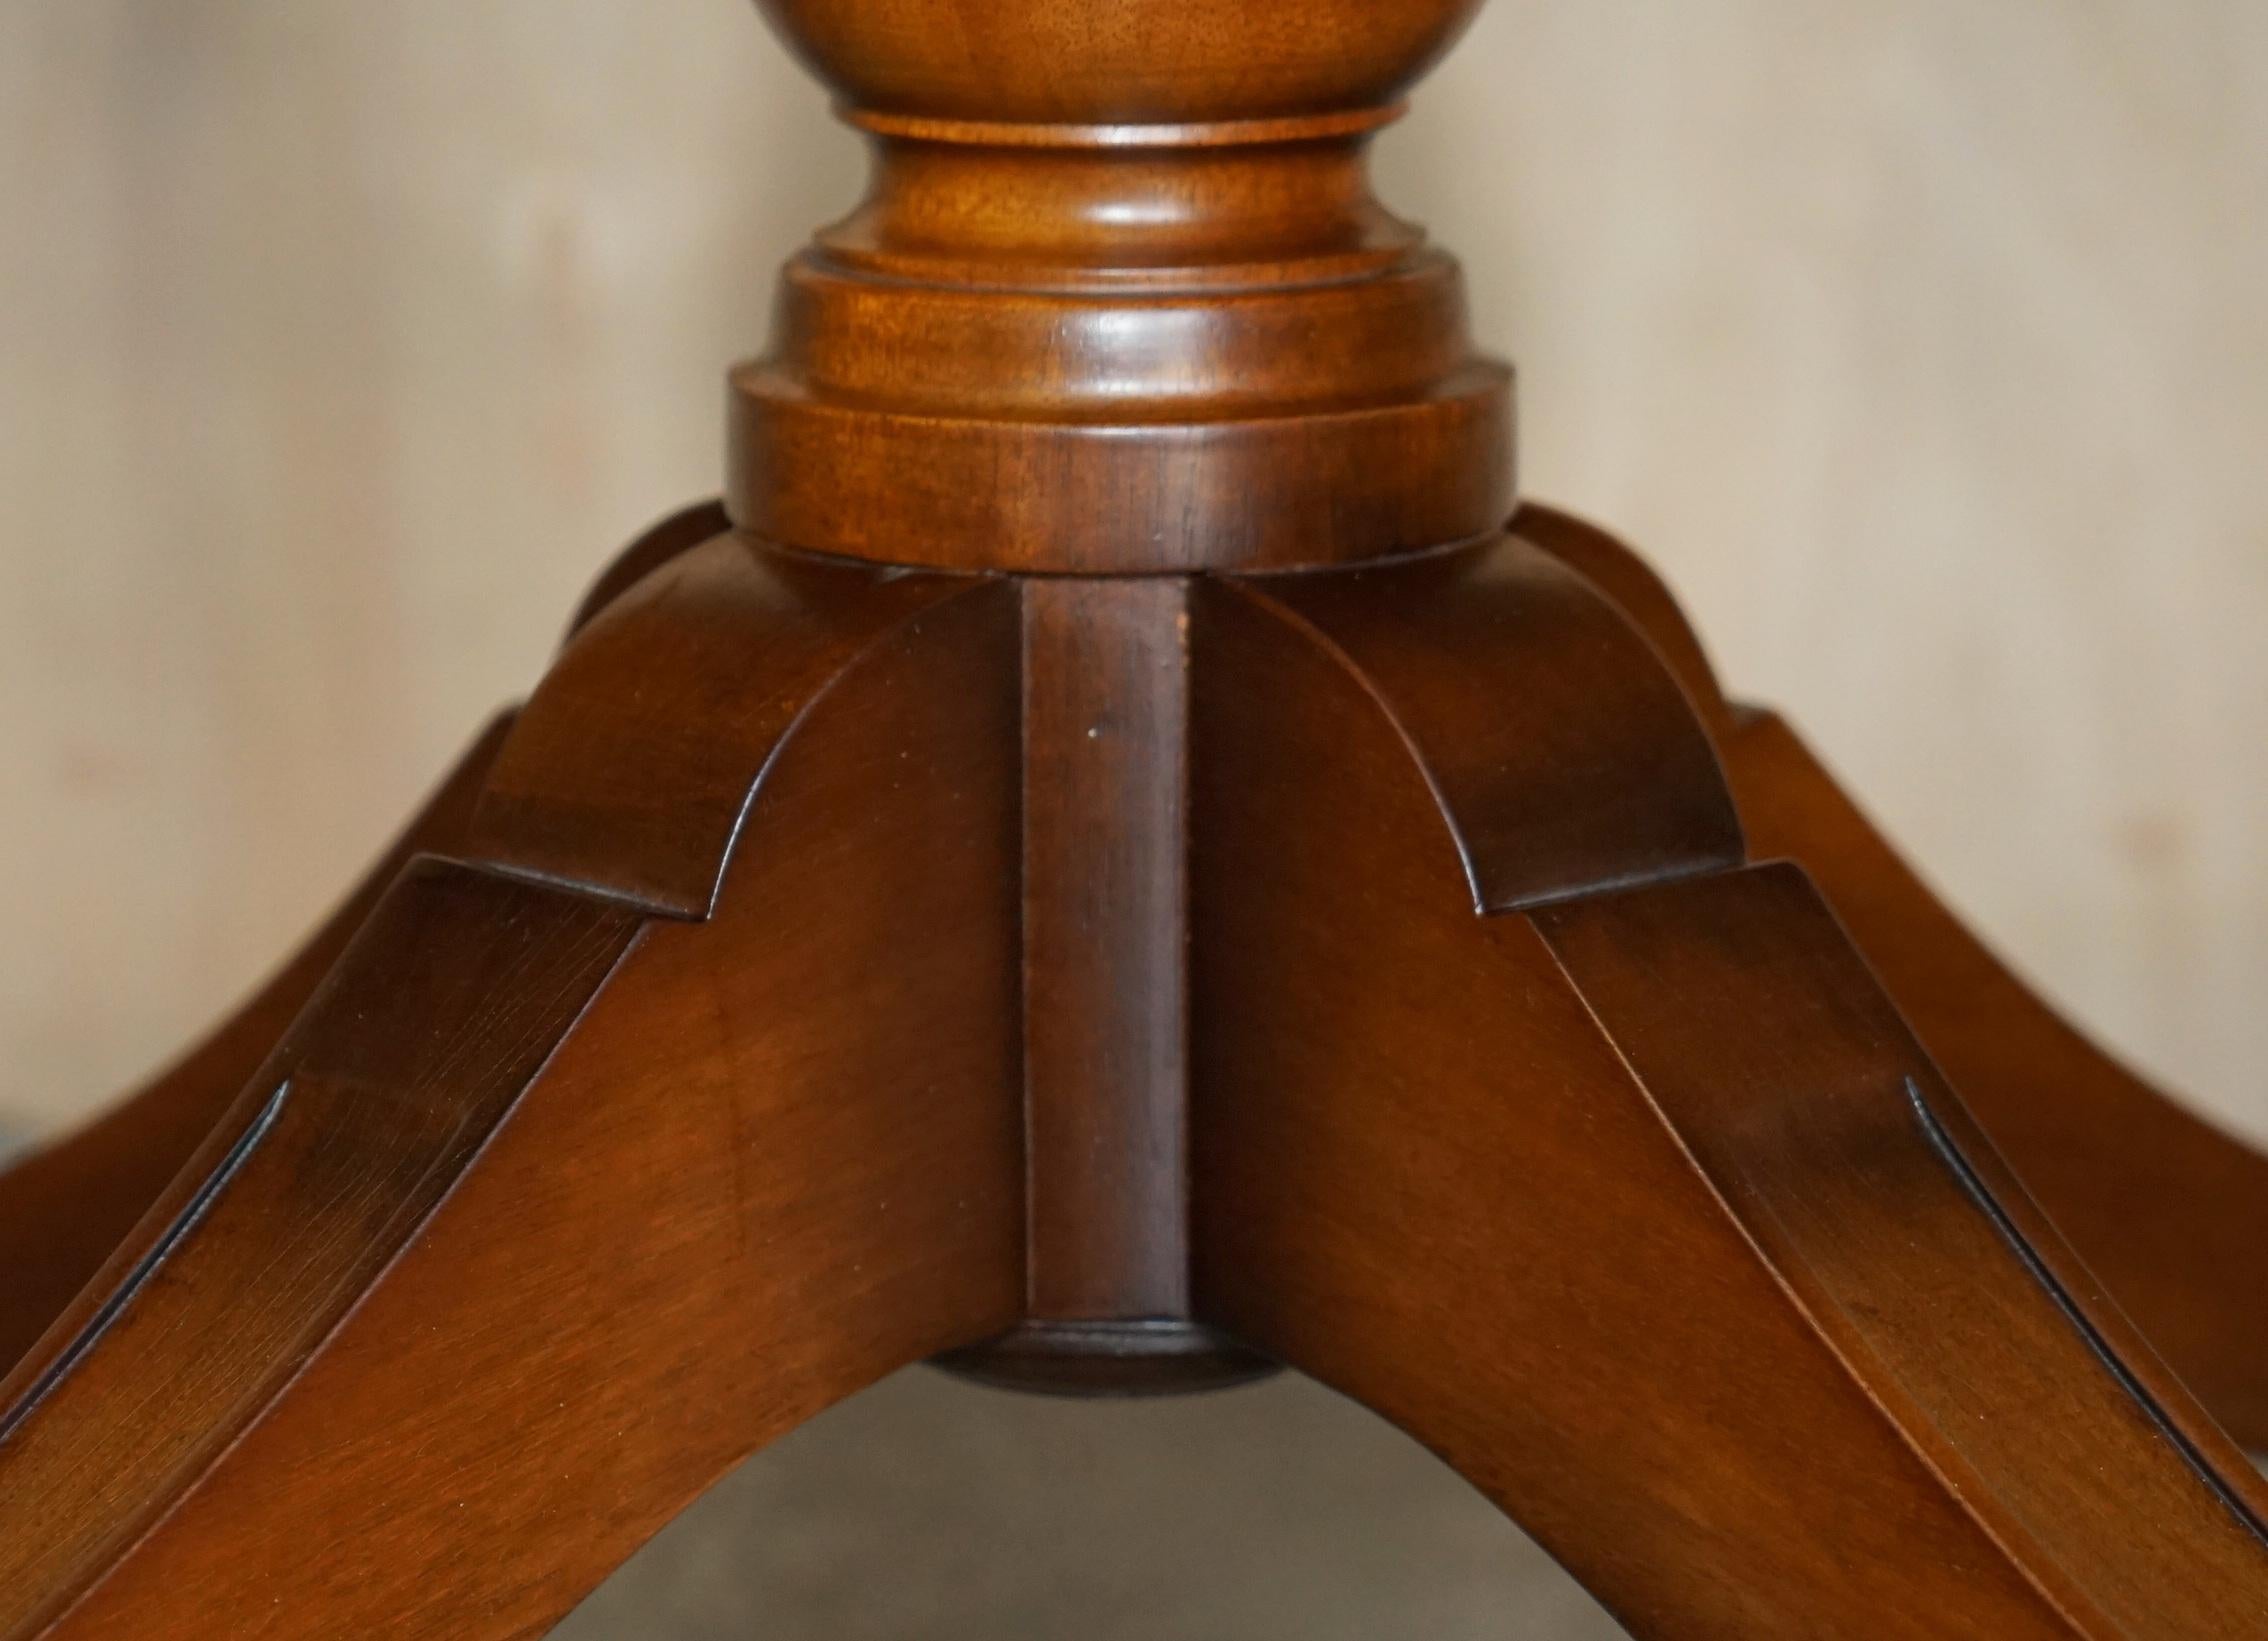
64 1207
2168 1210
1641 1208
1364 961
627 1161
2171 1212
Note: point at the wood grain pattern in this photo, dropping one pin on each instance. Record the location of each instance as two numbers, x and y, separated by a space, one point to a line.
1924 1265
867 948
2166 1208
66 1207
1734 1387
1915 344
1105 1008
663 543
1106 937
631 769
367 1116
712 1213
1119 299
1565 759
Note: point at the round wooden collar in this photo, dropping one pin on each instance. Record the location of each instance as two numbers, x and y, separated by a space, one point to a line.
1119 298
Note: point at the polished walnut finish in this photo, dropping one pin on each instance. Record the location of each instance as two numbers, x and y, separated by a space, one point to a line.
1107 864
2166 1209
1120 299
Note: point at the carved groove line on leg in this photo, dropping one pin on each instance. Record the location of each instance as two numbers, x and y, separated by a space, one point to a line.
1942 1141
113 1304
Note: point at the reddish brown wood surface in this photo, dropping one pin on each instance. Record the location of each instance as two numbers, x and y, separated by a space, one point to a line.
666 540
1763 1039
365 1118
1105 1016
777 1156
64 1208
1630 1211
2171 1212
1119 298
1106 933
631 769
1564 757
2168 1210
857 954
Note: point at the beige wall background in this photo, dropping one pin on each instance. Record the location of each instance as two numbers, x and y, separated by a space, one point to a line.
1921 342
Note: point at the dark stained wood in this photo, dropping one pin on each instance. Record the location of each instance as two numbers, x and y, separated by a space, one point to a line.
1118 62
1106 934
1105 1016
680 533
631 769
957 906
1644 599
65 1207
1789 1077
362 1121
777 1157
1564 757
1119 299
2168 1210
1627 1209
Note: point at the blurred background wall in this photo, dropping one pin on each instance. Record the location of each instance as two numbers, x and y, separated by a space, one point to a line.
1921 342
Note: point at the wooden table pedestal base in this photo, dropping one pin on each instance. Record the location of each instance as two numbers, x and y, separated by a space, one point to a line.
1112 867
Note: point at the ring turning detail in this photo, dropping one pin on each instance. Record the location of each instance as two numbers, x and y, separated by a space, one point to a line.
1119 859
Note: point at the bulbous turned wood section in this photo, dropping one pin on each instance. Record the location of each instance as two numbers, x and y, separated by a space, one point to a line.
1105 865
1119 299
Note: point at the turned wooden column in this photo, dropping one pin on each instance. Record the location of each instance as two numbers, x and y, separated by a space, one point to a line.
1119 306
1119 299
1115 867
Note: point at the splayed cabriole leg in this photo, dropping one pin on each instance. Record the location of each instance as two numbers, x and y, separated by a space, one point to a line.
1105 863
2168 1210
1640 1206
65 1206
623 1188
1515 1102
